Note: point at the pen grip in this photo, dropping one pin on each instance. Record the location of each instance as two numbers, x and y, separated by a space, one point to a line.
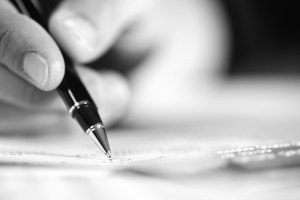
71 89
77 99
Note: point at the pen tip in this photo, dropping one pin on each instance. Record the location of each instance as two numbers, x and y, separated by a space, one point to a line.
108 154
98 135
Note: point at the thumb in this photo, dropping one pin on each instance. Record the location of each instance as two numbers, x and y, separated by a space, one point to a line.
28 51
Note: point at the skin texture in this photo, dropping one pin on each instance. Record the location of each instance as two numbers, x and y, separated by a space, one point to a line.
31 65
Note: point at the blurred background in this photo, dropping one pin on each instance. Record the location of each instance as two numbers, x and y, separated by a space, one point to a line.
230 60
265 36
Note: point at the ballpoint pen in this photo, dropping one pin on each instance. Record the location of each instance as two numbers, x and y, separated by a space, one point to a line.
75 96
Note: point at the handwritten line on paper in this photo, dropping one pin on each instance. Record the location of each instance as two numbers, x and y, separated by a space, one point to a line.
45 158
121 157
259 156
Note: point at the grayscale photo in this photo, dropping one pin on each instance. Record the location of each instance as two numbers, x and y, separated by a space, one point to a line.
149 99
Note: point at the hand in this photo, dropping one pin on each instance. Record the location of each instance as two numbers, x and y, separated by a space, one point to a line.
32 66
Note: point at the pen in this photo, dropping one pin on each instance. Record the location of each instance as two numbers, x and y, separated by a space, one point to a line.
75 96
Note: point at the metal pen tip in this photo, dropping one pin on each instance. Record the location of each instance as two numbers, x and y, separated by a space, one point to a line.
98 134
108 154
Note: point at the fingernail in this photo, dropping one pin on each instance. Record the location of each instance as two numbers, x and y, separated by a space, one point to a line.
36 67
83 30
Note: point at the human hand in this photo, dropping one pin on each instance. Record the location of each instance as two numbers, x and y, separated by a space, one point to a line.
86 30
32 65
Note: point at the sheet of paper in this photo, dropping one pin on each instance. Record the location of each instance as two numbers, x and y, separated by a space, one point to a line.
133 147
148 150
156 163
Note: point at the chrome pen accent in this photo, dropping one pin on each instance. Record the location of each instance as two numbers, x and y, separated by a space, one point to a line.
77 105
93 128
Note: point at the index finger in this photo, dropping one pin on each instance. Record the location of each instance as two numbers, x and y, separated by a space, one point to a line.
86 29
